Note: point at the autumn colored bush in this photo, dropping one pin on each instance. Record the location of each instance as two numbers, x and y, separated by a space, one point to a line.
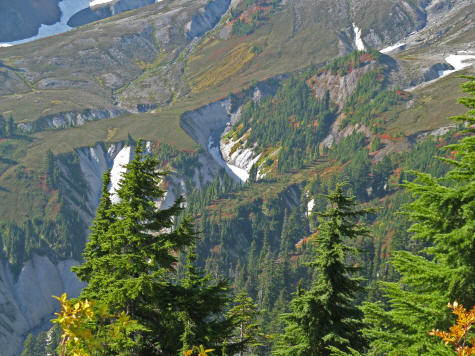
458 334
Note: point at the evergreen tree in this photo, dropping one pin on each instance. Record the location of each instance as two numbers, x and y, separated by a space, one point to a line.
96 248
244 314
51 170
30 347
326 315
203 303
443 217
10 129
129 262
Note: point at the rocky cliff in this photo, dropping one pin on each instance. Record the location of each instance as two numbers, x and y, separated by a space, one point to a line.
68 119
26 302
102 11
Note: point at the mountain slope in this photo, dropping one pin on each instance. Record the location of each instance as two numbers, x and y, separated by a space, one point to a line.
166 72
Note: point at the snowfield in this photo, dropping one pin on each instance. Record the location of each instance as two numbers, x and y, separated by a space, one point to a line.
358 41
459 62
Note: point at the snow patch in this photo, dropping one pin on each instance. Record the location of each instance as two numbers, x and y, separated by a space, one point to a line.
241 173
358 41
234 171
99 2
310 206
122 158
392 48
459 62
68 9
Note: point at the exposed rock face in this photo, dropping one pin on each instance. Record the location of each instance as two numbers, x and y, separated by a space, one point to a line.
94 161
68 119
100 12
208 121
436 70
387 22
340 87
440 6
22 18
26 303
206 125
207 18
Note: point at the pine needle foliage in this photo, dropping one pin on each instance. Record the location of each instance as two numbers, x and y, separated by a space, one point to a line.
443 217
130 258
327 315
204 303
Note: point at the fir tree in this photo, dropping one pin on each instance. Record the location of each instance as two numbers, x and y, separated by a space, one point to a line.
96 248
443 217
244 314
129 261
203 303
326 315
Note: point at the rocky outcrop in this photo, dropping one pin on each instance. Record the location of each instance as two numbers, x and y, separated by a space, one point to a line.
94 161
207 121
68 119
26 303
340 87
207 18
436 71
206 126
388 22
105 10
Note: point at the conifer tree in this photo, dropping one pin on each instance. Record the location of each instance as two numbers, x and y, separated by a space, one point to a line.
203 303
104 218
129 262
443 217
244 314
326 315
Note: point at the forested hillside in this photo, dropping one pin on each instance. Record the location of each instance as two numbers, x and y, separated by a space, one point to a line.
326 198
320 282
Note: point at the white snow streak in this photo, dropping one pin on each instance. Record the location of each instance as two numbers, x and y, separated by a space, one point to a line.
236 171
241 173
122 158
392 48
310 206
358 41
99 2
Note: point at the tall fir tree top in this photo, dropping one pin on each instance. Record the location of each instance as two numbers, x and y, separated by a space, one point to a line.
443 213
443 217
327 316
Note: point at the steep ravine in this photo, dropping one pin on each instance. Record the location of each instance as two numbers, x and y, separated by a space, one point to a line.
26 303
25 300
206 126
